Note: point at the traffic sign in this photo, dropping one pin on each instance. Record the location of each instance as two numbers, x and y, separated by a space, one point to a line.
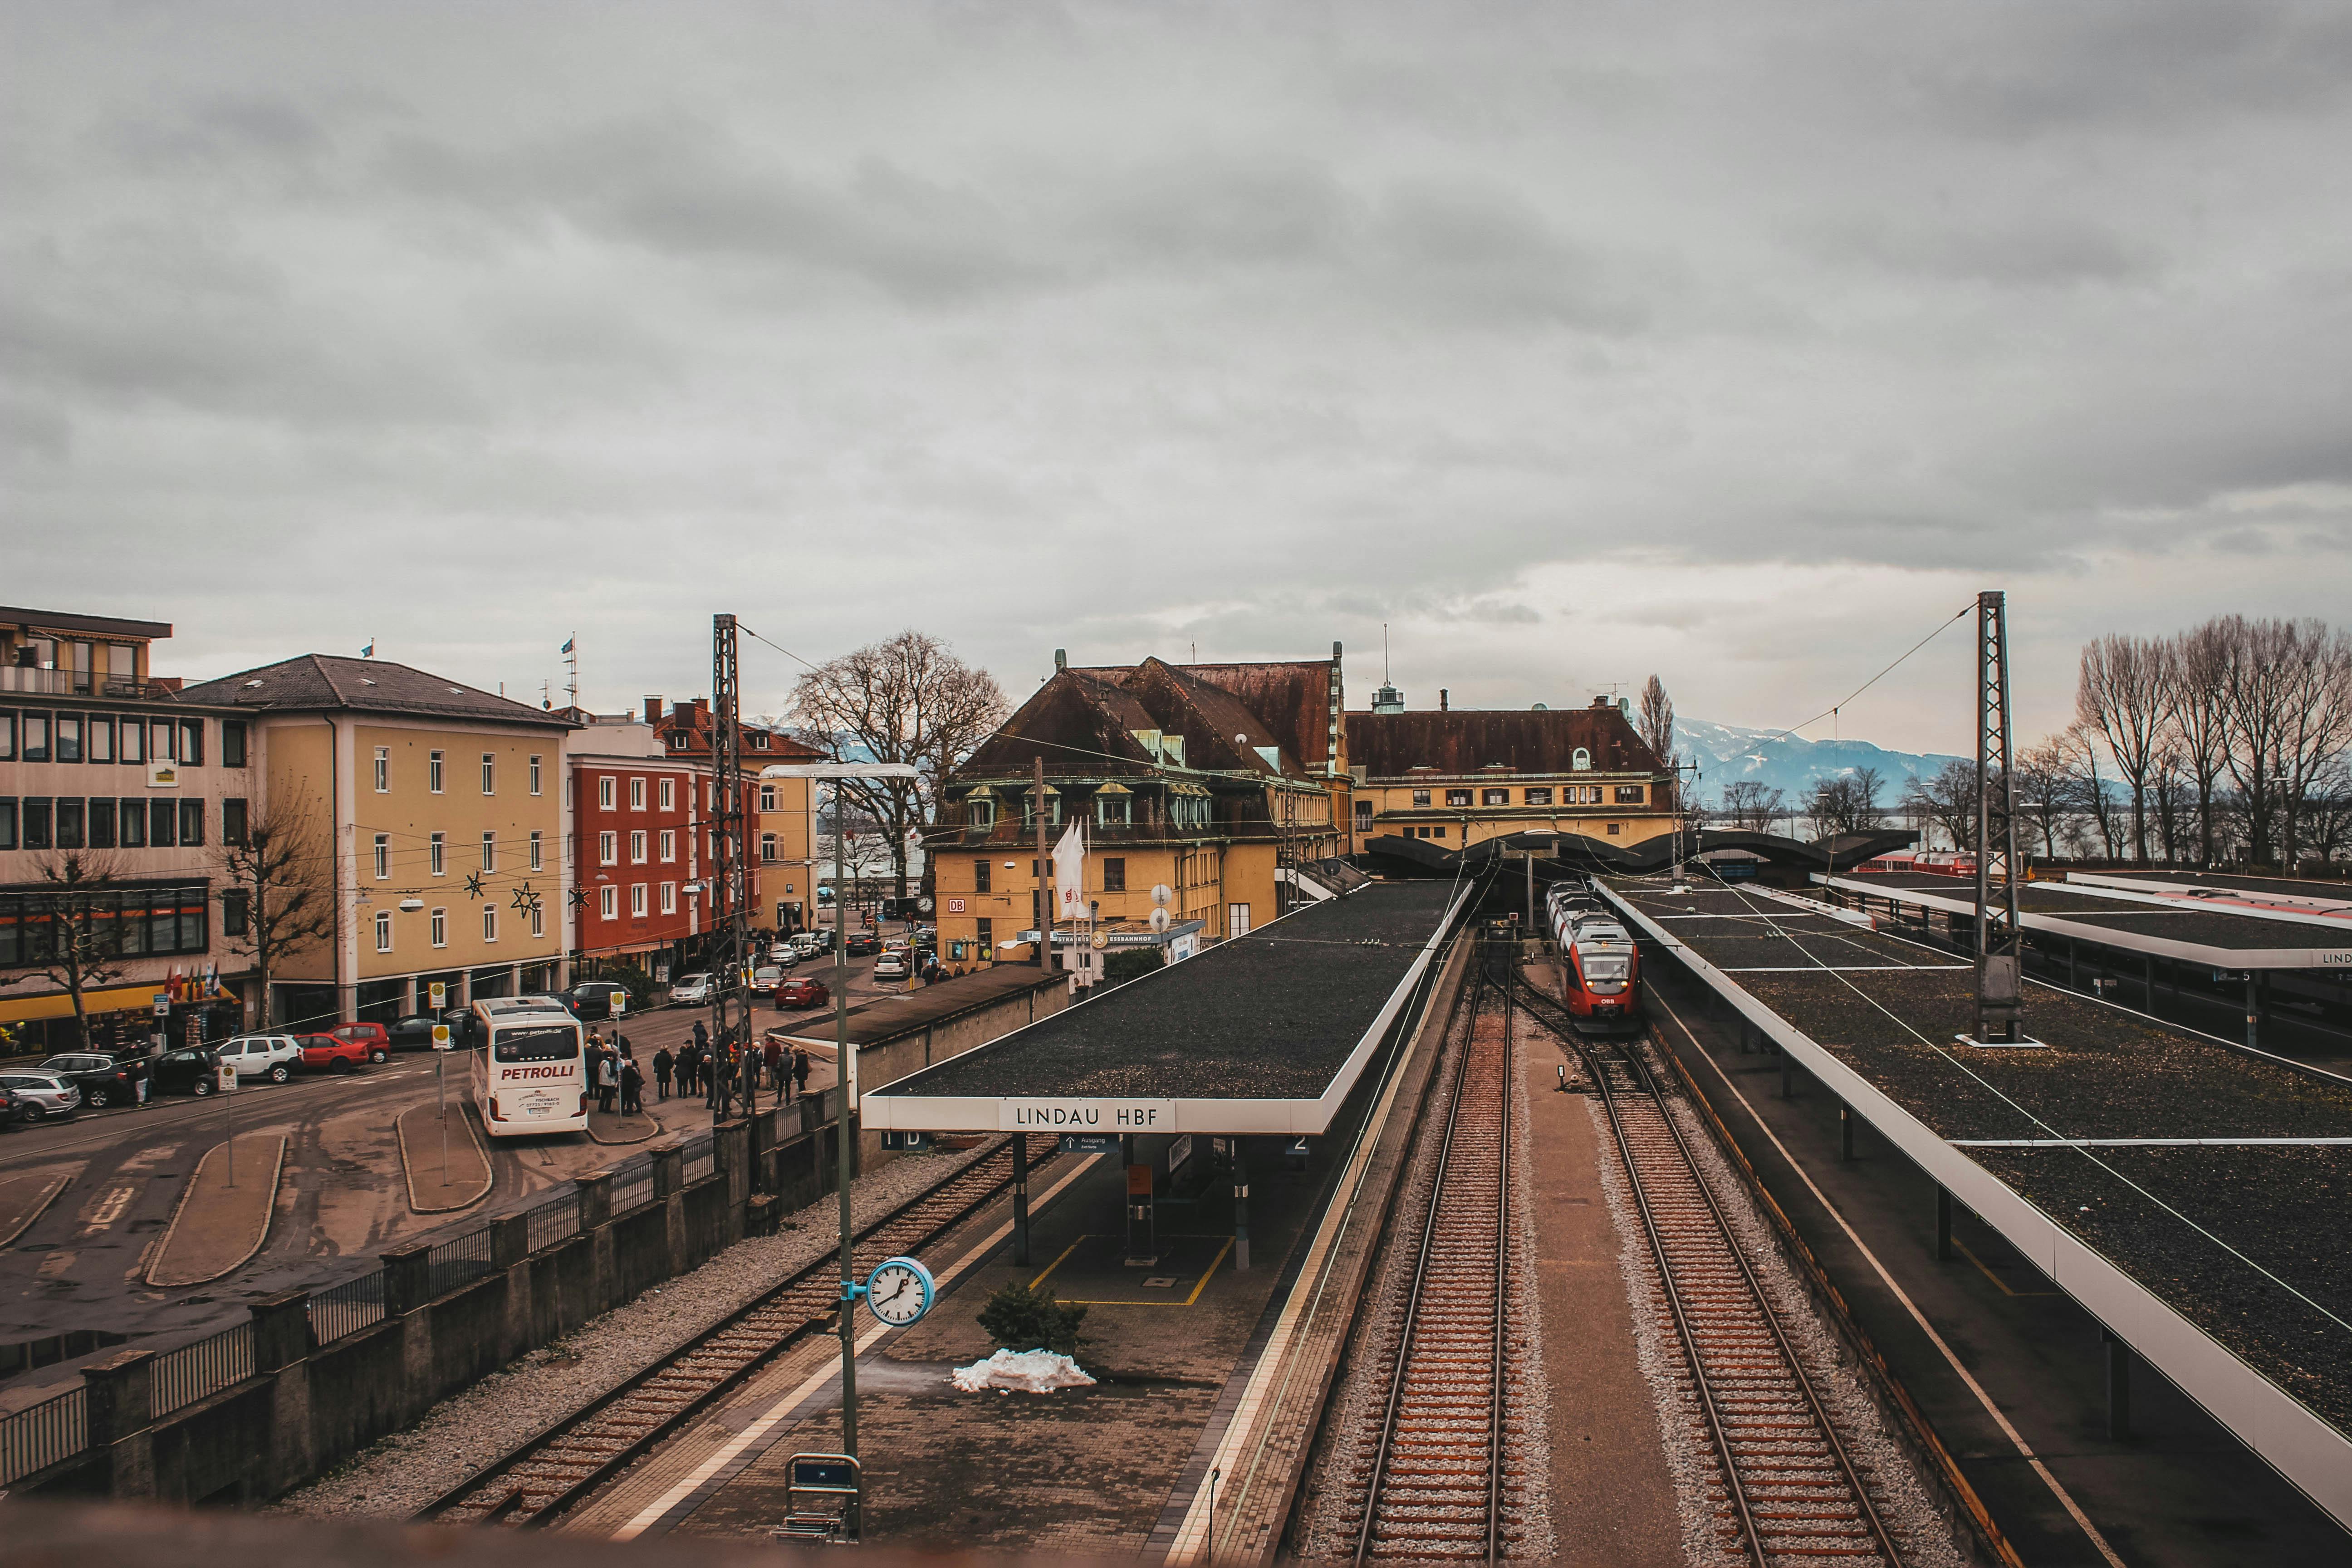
227 1078
441 1037
619 1003
437 992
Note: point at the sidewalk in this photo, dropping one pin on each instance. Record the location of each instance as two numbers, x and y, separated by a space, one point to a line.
217 1226
441 1175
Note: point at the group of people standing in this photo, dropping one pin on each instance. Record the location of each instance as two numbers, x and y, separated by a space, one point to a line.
613 1075
717 1074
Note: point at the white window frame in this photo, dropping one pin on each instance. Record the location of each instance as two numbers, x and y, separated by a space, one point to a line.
534 773
636 792
636 846
383 855
437 849
538 851
538 919
606 785
490 773
667 794
669 898
384 930
441 928
669 844
384 770
608 849
433 773
767 797
637 899
489 851
608 903
489 922
767 850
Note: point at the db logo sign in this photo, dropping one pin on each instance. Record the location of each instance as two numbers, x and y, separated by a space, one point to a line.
955 906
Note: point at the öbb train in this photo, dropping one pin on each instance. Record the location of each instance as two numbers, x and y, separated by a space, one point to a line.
1600 968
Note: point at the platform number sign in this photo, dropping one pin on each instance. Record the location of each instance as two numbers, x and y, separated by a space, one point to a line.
899 1291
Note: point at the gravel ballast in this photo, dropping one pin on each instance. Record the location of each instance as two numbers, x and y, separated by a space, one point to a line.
402 1473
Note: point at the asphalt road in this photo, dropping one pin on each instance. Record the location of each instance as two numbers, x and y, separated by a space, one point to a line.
341 1200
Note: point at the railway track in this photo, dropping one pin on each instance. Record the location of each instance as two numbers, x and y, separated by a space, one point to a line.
1789 1492
561 1466
1436 1480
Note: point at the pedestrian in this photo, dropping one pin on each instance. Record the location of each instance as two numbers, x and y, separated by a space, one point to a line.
772 1059
664 1063
608 1082
800 1070
723 1090
632 1088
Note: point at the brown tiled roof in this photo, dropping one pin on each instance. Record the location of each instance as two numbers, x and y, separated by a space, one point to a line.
1082 720
1290 698
1388 745
326 682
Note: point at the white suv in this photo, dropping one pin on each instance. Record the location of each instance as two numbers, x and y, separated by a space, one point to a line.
273 1056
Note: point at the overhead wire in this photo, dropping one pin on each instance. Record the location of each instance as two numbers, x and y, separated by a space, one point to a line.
1835 707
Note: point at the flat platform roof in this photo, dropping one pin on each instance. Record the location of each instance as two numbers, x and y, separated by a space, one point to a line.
2221 938
2187 1192
1268 1033
893 1017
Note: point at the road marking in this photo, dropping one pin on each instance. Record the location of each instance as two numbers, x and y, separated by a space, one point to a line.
109 1209
54 1263
776 1413
2025 1449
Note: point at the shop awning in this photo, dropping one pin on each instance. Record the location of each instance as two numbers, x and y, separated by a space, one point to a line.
117 999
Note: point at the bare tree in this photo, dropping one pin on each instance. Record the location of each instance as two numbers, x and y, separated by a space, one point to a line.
1869 783
2125 692
2045 793
2199 725
1656 720
1752 806
906 700
276 889
2317 724
2080 746
2257 691
72 935
1947 799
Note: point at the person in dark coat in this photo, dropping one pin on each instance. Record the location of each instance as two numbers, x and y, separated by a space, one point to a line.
800 1070
632 1088
662 1065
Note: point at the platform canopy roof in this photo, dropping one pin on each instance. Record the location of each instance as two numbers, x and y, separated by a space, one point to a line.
1266 1033
2219 936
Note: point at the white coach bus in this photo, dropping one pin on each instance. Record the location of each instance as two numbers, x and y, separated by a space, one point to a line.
530 1066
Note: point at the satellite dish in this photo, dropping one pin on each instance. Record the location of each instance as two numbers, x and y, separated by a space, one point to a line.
1161 893
1160 923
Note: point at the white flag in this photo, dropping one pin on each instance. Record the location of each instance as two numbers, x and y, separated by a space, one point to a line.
1070 875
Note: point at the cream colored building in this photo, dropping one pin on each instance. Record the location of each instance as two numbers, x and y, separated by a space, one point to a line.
442 814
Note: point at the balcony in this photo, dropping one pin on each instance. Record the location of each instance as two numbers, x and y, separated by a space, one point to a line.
68 682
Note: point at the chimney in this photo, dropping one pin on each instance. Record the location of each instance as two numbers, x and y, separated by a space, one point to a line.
653 709
1061 659
1440 700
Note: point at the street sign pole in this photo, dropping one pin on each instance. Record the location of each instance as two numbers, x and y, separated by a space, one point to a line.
441 1043
228 1093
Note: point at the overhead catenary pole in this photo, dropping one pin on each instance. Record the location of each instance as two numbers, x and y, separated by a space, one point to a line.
844 1134
1044 904
730 1003
2001 1002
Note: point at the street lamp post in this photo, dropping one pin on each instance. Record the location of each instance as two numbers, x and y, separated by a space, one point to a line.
845 1060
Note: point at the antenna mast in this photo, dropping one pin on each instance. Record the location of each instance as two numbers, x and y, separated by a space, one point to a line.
2000 991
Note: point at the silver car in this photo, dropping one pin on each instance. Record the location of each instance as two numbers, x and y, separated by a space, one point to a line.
43 1095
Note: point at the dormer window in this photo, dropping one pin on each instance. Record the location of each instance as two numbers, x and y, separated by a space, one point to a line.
1583 759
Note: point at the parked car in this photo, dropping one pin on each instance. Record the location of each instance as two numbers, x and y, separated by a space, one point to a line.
12 1109
809 943
414 1033
323 1053
767 977
690 991
374 1036
256 1056
193 1070
864 944
802 991
103 1080
593 999
893 966
41 1095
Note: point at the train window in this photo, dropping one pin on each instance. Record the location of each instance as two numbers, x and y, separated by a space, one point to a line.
1540 796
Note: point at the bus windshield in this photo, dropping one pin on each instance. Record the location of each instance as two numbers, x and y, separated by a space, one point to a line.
547 1043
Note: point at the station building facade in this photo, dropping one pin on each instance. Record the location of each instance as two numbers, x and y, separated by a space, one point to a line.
1181 780
779 815
1459 777
437 813
116 799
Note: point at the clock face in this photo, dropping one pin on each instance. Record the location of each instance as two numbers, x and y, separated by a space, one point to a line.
899 1291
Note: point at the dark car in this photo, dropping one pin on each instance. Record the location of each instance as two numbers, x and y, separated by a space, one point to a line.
863 943
412 1033
593 999
12 1110
103 1080
195 1071
802 991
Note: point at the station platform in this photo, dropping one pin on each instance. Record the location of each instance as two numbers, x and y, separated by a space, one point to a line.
1268 1032
2168 1182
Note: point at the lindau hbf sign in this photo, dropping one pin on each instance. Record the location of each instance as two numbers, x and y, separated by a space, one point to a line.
1057 1113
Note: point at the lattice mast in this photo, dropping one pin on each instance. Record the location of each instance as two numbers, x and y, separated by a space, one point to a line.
2001 995
731 895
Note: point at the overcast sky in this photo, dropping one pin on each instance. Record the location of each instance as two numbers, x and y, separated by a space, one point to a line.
1740 343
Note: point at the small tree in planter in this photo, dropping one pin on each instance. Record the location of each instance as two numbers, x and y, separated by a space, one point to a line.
1020 1319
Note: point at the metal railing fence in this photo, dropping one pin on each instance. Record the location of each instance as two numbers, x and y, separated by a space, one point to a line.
41 1435
456 1261
343 1310
180 1377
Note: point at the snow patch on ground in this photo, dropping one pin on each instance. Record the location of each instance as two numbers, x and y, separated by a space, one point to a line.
1021 1372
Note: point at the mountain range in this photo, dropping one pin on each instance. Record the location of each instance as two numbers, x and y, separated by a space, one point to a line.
1727 754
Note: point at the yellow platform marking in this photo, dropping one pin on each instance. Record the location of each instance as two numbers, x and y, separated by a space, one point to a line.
1197 1289
1998 1283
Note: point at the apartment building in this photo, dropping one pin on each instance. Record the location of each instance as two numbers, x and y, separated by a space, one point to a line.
438 812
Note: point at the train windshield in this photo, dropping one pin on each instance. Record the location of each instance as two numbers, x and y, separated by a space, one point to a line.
1598 967
546 1043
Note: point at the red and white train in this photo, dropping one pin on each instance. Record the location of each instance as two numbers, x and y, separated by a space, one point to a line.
1932 862
1600 966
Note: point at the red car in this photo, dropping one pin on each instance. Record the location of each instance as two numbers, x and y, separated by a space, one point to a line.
804 992
374 1036
325 1051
